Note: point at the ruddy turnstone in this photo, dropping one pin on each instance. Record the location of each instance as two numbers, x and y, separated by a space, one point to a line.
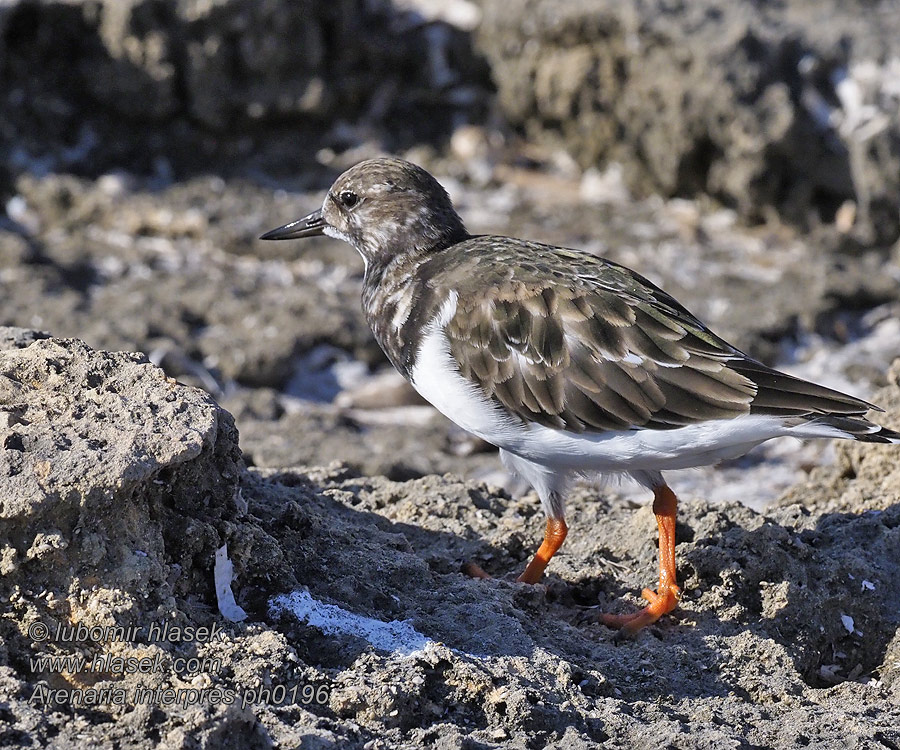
570 364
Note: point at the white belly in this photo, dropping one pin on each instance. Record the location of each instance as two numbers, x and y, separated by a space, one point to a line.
436 377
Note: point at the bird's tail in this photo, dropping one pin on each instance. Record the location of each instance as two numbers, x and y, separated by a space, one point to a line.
847 427
811 410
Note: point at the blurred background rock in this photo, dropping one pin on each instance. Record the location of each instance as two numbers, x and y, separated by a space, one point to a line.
791 108
745 156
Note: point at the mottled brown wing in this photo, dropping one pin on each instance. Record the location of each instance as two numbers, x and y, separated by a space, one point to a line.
612 354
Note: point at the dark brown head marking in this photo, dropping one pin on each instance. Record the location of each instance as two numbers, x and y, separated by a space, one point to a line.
383 207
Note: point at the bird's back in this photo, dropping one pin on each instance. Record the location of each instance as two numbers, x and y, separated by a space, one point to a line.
570 341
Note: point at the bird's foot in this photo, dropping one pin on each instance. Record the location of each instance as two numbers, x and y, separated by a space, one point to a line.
661 603
474 570
554 536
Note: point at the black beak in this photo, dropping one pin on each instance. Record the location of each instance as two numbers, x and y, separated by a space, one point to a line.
309 226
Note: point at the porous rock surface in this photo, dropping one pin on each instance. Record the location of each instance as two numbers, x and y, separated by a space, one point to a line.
98 450
787 106
237 85
119 484
146 145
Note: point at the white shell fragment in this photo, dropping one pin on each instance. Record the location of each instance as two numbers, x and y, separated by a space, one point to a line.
222 573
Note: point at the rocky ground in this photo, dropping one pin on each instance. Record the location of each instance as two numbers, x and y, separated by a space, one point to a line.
275 332
785 107
119 485
744 159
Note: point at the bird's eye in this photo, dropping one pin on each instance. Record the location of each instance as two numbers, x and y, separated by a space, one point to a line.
348 199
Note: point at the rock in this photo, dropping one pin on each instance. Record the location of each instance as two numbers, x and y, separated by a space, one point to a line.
226 85
19 338
114 499
14 249
118 485
180 284
388 389
756 106
397 443
767 109
113 479
864 475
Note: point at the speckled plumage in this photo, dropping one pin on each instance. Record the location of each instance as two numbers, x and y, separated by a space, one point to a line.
569 363
574 342
556 336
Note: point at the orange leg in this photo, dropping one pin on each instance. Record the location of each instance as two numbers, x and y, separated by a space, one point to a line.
554 536
665 598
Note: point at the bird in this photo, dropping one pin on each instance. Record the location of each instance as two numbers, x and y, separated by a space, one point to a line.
572 365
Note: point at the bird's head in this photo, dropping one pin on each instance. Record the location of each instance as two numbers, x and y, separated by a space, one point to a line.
382 207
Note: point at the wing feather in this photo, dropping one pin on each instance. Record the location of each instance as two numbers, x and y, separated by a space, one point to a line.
609 351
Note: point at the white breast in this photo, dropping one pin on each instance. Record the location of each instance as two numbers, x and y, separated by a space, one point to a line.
436 377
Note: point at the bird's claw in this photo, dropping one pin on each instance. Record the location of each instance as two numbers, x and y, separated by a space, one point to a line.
474 570
660 603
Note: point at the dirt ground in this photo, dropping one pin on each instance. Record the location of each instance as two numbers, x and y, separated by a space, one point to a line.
354 598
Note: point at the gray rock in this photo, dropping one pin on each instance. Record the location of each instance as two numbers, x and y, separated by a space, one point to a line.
792 107
113 478
230 86
19 338
118 484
